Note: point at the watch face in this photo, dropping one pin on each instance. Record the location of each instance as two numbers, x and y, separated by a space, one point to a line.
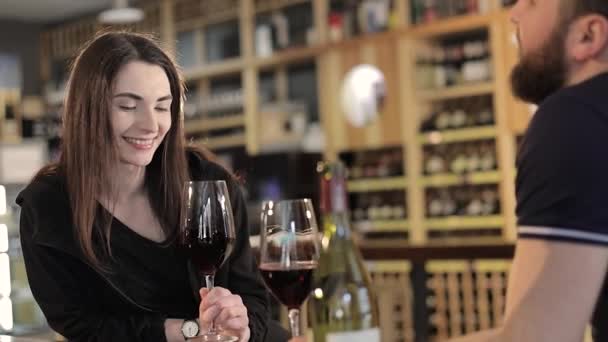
190 329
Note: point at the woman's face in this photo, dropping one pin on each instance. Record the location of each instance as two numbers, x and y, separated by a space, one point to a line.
140 111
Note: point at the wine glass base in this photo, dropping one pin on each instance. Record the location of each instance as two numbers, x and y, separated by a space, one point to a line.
214 338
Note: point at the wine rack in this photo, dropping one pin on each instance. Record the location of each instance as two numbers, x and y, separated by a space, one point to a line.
460 127
392 283
460 172
465 296
453 60
459 113
377 186
460 158
215 119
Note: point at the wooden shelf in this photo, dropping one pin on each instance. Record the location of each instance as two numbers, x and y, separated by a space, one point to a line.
450 26
458 135
209 124
202 22
226 67
266 6
222 142
288 56
464 222
464 90
450 179
380 184
381 226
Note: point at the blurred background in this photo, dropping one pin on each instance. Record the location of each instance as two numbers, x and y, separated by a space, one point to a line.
431 170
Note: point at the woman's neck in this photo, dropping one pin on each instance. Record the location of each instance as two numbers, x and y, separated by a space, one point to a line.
128 182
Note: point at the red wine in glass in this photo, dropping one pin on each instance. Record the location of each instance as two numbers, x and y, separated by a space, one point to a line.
208 253
290 286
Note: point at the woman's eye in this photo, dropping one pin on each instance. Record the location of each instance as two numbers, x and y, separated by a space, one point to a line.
127 107
160 109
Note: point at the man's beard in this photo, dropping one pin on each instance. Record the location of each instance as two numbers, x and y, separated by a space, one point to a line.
543 72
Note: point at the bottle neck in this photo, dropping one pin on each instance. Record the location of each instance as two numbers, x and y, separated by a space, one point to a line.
334 201
337 225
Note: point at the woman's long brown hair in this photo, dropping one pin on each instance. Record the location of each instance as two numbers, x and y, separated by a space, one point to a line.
88 150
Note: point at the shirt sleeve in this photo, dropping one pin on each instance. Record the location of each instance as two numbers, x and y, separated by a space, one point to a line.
562 180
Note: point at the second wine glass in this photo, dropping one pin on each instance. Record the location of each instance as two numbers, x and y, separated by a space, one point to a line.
289 253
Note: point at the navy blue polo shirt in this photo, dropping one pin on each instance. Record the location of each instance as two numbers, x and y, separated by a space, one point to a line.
562 179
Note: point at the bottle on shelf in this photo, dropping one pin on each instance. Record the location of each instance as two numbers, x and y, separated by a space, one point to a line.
441 73
434 205
487 157
477 66
396 163
435 162
384 168
475 206
342 305
373 211
356 170
473 158
461 198
448 204
360 211
442 121
458 164
490 202
458 119
398 206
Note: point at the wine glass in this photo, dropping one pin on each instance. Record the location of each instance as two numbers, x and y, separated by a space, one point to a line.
289 253
207 234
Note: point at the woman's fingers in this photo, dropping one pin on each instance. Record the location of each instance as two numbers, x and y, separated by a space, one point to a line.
210 297
223 308
230 313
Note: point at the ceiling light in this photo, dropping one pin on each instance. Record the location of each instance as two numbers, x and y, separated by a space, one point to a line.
120 13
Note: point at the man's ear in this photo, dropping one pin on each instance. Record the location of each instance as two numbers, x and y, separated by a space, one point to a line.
587 37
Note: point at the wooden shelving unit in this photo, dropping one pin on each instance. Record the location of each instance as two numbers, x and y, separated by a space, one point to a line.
393 52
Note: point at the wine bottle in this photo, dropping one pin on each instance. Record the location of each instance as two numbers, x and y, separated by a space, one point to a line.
342 306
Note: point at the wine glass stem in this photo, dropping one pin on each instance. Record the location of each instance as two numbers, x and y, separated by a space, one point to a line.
209 280
294 322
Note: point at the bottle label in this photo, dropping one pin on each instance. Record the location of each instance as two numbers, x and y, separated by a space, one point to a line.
367 335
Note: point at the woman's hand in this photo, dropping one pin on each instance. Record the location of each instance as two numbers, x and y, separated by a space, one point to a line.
298 339
226 310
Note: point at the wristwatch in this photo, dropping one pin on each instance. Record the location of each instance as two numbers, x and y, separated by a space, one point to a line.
190 328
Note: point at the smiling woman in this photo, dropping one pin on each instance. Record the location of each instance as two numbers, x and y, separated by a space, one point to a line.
99 228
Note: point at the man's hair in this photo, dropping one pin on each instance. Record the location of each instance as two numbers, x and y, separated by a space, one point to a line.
576 8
